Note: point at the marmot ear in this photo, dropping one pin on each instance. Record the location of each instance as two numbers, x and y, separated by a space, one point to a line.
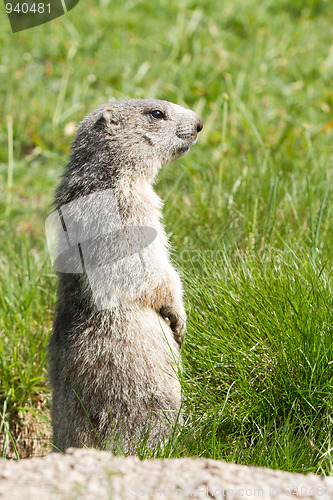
111 116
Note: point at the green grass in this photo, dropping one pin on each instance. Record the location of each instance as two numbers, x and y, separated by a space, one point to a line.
249 209
259 360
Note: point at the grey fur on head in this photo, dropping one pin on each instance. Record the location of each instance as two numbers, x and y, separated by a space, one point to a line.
119 365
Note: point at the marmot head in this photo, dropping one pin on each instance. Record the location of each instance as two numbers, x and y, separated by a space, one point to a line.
136 137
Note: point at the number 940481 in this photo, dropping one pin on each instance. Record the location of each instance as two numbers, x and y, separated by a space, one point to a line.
24 8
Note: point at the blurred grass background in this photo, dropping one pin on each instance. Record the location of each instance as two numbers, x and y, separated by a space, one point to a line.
248 210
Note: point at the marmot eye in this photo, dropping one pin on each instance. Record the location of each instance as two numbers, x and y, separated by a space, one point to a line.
156 113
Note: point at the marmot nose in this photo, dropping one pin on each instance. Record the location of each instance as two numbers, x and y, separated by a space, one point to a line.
199 124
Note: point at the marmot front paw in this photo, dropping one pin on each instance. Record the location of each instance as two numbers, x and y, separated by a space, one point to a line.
177 324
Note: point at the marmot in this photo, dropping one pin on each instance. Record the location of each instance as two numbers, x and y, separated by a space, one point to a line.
113 367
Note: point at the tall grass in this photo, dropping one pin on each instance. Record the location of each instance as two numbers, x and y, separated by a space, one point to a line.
258 359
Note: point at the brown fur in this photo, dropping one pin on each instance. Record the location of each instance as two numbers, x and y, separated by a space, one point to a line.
121 363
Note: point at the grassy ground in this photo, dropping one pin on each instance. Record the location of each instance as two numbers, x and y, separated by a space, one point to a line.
249 209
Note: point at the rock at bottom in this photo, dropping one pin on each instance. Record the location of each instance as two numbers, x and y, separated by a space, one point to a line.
92 475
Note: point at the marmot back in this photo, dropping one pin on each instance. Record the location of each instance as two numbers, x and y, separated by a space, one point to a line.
114 349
